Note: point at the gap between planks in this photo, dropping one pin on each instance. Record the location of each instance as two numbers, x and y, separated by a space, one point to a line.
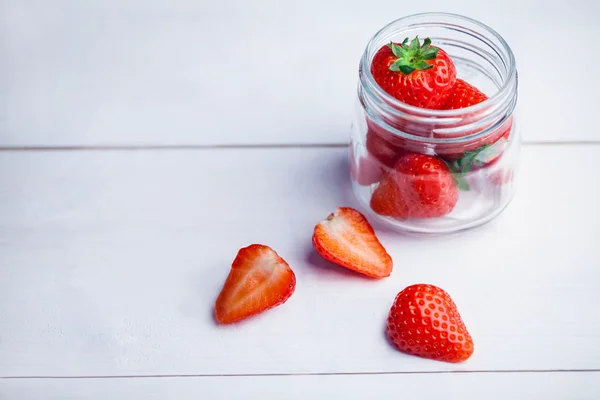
237 146
266 146
506 371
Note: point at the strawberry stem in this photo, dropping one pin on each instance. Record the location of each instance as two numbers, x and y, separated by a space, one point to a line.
478 157
459 177
413 56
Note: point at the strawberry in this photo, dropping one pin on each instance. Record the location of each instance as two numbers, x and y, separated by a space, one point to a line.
259 280
347 239
425 322
387 198
419 186
415 74
482 152
463 95
382 148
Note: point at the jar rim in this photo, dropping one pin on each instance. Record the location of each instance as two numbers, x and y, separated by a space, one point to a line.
425 112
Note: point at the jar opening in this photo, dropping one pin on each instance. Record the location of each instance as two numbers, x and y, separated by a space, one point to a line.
476 49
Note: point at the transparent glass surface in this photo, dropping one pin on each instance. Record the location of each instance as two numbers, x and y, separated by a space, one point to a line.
479 145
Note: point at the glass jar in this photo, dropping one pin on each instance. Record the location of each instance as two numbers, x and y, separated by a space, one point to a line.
477 146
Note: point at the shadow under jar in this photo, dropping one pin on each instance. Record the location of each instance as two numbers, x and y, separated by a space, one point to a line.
478 146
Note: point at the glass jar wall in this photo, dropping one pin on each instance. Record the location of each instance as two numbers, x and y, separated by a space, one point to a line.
436 169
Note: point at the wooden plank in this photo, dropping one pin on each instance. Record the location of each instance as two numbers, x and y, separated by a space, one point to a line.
489 386
114 72
111 262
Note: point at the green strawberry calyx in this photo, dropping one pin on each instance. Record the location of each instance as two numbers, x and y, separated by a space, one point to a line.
414 56
476 158
460 178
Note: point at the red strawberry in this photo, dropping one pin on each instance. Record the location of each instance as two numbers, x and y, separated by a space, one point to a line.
481 152
387 199
419 186
259 280
346 238
419 75
382 149
425 322
463 95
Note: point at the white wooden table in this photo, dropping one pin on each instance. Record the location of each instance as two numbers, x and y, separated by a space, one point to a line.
143 143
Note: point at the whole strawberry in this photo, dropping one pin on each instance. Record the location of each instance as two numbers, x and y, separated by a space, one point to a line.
475 153
419 186
462 95
419 75
425 322
382 147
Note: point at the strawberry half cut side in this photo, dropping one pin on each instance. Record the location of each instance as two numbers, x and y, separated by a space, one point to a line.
259 280
347 239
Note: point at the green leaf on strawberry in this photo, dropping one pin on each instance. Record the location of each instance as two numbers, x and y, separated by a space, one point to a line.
478 157
461 167
469 159
418 75
414 56
460 180
490 152
398 51
415 44
458 176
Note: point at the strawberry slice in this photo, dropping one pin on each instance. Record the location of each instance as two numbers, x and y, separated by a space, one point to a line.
347 239
259 280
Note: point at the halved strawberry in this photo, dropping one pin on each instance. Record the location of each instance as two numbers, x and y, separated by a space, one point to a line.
347 239
259 280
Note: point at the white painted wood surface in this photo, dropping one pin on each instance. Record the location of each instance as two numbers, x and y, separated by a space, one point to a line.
161 72
111 262
488 386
